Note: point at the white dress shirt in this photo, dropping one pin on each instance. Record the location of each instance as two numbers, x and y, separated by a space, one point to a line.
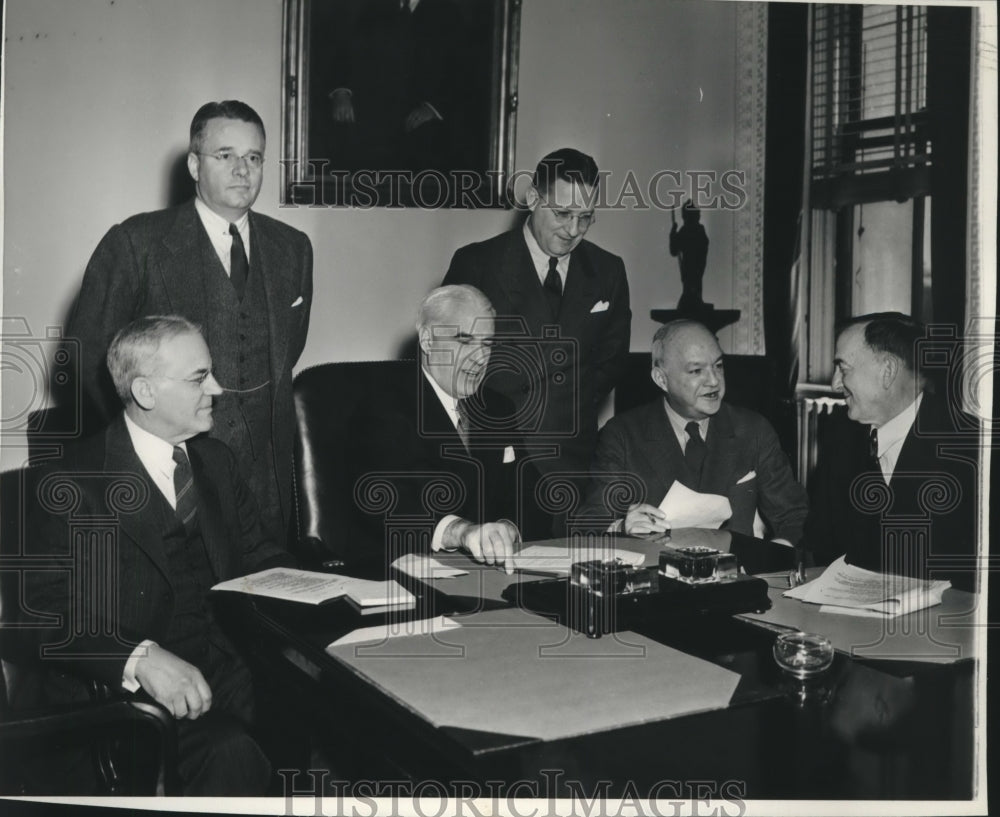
541 259
678 423
218 232
450 405
157 457
891 436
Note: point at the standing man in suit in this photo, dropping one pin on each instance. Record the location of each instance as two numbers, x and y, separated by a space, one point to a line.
895 485
693 437
430 440
565 302
185 521
245 277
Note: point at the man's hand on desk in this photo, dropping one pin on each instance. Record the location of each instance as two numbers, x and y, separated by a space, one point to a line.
492 542
174 683
644 518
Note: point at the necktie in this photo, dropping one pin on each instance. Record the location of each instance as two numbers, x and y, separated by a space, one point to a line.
187 502
873 444
695 451
553 286
239 266
463 422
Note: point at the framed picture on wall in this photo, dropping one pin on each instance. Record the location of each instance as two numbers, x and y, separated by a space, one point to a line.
397 103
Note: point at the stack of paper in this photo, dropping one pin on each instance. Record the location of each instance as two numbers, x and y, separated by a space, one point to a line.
851 590
316 588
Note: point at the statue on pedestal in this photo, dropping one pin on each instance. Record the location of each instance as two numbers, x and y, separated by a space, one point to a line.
689 245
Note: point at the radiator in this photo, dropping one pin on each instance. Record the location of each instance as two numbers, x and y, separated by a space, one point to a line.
809 423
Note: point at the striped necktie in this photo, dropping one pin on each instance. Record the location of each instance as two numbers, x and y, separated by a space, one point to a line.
187 502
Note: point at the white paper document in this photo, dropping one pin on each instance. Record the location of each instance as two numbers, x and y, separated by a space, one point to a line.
315 588
854 589
426 567
557 560
690 509
396 629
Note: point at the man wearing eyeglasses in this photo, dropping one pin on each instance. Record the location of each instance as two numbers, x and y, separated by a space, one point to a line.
562 308
245 277
134 614
442 448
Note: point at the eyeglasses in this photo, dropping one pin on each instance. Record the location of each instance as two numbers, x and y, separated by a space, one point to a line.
253 158
197 381
564 216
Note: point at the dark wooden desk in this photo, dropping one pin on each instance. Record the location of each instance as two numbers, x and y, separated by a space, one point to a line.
868 729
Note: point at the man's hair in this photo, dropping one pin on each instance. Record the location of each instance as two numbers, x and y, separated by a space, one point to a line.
227 109
441 304
665 335
133 348
567 164
890 332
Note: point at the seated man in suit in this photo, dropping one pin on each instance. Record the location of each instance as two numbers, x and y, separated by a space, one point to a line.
691 436
183 519
432 450
895 485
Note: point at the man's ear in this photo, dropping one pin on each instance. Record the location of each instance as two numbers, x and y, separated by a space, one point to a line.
659 378
424 339
193 163
531 197
890 370
142 393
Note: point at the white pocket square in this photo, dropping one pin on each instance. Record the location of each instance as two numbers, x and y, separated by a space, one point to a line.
296 302
508 454
749 476
600 306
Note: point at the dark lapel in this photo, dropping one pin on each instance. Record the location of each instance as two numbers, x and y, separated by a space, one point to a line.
661 451
720 465
182 267
213 529
580 293
520 283
144 526
270 259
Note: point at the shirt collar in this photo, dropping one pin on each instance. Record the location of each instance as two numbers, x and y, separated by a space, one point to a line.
540 258
449 403
679 424
216 224
898 427
155 452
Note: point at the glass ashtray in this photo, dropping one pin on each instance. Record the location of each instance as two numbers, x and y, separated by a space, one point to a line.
803 654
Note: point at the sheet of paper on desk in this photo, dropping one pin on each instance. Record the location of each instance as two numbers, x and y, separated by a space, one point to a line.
690 509
396 629
315 588
852 588
557 560
541 681
420 566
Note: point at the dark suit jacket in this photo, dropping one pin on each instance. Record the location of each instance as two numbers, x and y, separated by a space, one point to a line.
641 443
98 480
932 493
154 264
556 377
407 465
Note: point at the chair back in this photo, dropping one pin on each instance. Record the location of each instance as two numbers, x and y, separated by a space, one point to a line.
327 399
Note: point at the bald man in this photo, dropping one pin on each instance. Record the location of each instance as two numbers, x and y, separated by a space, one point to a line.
692 436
